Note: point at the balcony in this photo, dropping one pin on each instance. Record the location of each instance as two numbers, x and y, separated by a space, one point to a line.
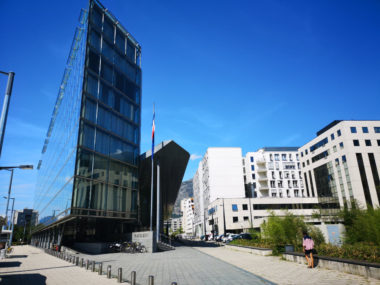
262 178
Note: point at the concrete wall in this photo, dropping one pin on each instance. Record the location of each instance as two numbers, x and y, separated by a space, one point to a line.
147 239
358 268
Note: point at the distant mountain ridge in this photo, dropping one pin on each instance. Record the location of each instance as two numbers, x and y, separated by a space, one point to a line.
185 191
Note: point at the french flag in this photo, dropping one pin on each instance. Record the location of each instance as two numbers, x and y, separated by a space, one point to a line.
153 129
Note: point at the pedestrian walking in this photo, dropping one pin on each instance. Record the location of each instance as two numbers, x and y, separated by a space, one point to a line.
308 247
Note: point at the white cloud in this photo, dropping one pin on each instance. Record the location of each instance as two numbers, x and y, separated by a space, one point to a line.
195 156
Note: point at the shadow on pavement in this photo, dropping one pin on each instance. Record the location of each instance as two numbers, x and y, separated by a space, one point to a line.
10 264
35 279
17 256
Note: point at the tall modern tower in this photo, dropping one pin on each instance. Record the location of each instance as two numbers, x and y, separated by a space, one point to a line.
87 186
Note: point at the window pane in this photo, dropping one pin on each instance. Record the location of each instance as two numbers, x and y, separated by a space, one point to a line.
104 118
120 41
88 136
93 61
100 167
107 51
353 130
368 142
96 18
108 30
82 193
107 72
365 130
102 142
84 163
107 95
126 108
377 130
90 111
119 80
95 40
131 51
92 86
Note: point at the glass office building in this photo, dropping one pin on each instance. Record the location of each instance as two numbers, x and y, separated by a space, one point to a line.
88 173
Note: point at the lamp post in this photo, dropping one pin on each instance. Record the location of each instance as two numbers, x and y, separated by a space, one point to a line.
11 168
4 112
11 236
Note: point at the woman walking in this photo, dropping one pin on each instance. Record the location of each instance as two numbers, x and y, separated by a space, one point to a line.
308 246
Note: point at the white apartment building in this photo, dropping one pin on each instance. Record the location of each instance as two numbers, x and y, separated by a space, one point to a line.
219 175
342 163
273 172
239 214
187 208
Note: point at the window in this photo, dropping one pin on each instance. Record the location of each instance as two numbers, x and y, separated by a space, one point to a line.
252 167
336 161
290 157
341 145
368 142
235 219
307 162
296 193
306 152
303 164
344 158
271 157
253 176
274 194
280 174
276 157
273 175
297 157
234 207
334 148
356 143
301 154
245 207
353 130
377 130
279 184
378 142
252 159
273 184
245 218
319 144
365 130
283 157
338 133
332 137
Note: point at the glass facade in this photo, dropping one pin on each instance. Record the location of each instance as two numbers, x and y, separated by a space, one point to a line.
89 165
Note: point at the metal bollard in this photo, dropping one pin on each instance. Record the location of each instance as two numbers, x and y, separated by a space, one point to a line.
81 262
93 266
87 264
151 280
77 261
100 268
133 278
109 271
119 275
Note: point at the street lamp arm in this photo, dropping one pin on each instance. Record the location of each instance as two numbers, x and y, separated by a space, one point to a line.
13 167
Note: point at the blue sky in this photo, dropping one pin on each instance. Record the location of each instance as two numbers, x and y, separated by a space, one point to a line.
221 73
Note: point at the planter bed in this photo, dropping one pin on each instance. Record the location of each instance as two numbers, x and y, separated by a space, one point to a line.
363 268
250 249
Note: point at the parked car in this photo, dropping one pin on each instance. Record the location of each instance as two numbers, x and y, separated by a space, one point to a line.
243 236
230 237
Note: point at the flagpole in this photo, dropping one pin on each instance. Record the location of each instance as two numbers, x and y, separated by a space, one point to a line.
151 182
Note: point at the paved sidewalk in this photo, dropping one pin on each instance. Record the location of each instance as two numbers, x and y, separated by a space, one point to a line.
32 266
184 265
284 272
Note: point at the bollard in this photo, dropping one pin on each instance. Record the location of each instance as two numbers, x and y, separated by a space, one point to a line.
133 278
100 268
119 275
87 264
93 266
81 262
151 280
174 283
109 271
77 261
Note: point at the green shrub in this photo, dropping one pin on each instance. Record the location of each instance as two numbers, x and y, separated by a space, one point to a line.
361 225
253 243
360 251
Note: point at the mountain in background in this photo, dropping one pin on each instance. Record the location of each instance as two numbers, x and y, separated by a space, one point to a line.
186 191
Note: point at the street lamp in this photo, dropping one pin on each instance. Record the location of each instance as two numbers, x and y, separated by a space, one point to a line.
13 204
11 168
4 112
